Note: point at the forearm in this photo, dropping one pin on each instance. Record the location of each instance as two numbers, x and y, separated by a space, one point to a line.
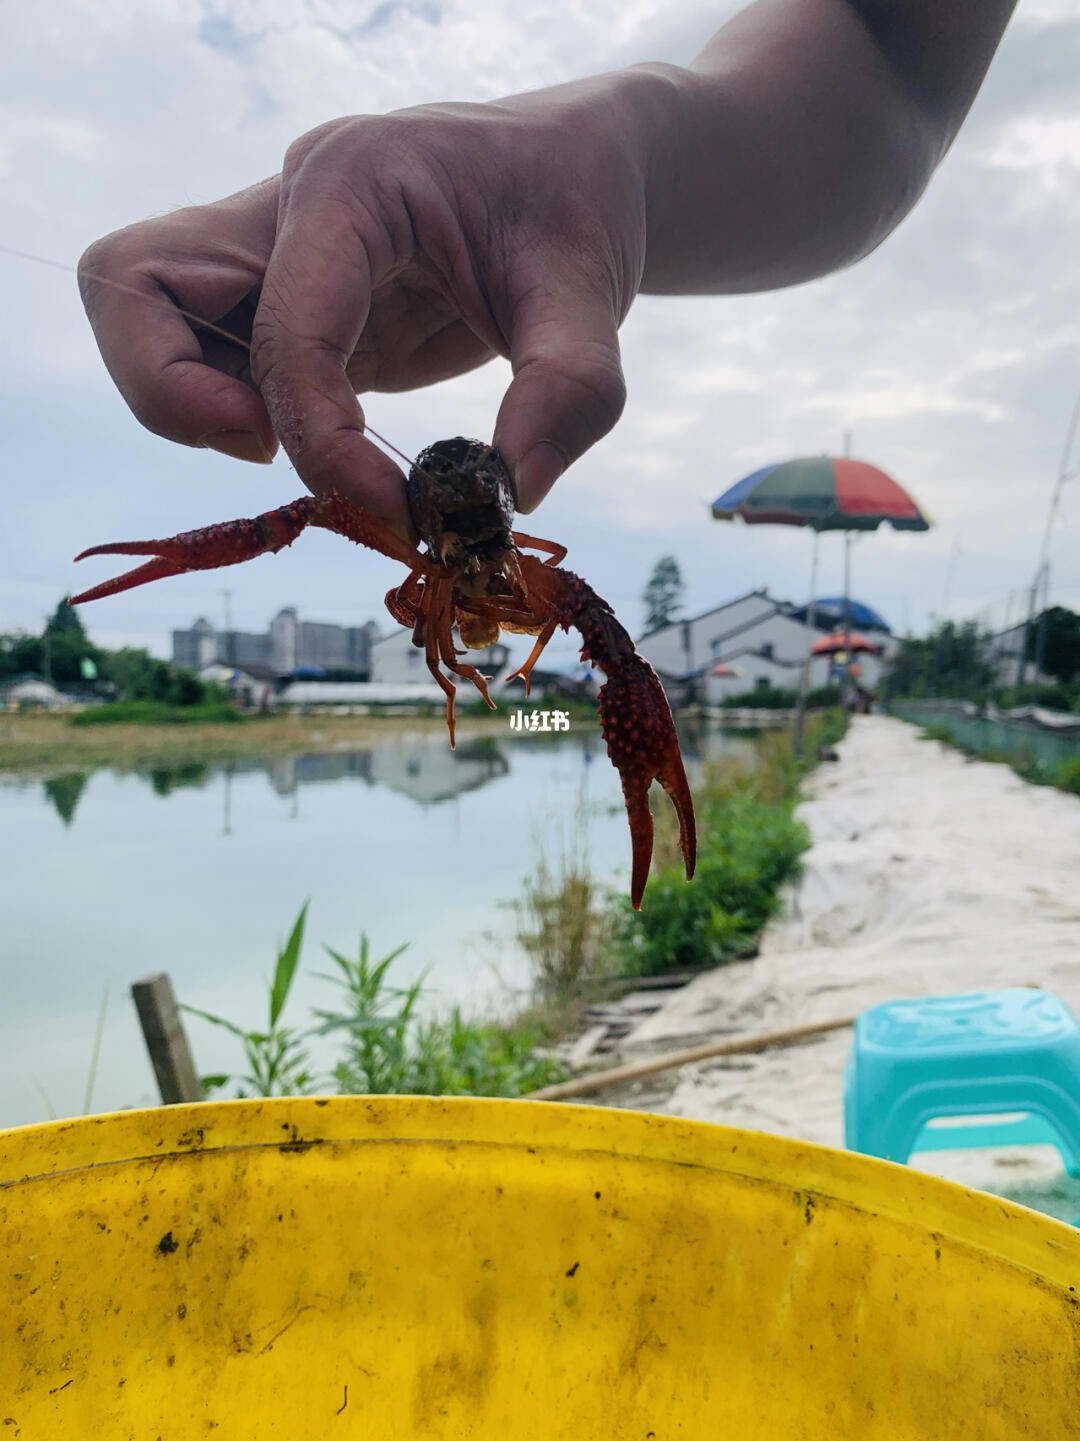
801 135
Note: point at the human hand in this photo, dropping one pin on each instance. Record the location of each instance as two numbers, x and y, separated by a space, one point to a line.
392 252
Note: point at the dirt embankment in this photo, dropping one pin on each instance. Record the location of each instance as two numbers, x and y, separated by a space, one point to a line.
47 744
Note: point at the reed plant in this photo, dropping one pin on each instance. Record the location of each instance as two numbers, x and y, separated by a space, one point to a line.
387 1046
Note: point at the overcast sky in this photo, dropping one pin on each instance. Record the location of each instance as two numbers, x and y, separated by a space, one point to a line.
952 354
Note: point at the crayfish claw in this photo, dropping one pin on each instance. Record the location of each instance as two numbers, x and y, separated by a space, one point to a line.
156 569
635 718
636 722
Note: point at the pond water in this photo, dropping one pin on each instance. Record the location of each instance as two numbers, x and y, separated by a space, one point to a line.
200 871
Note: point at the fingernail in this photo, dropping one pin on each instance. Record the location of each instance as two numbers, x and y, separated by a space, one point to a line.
536 473
240 444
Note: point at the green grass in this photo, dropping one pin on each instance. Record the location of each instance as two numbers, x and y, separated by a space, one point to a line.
154 712
749 844
748 850
1067 776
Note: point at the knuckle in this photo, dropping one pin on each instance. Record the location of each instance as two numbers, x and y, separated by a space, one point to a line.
305 146
601 387
98 263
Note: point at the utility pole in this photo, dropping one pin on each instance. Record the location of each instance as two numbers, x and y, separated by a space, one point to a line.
1041 583
845 689
230 648
804 674
946 595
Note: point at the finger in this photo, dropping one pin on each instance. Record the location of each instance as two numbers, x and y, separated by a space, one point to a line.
315 302
136 285
568 388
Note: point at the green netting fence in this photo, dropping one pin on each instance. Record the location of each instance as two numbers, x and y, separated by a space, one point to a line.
1037 749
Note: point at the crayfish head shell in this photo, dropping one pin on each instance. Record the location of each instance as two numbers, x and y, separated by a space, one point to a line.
461 500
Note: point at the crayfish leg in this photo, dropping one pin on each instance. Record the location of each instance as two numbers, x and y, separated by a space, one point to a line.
426 634
444 628
403 601
537 651
555 552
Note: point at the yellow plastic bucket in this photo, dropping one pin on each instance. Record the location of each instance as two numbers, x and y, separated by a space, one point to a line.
399 1268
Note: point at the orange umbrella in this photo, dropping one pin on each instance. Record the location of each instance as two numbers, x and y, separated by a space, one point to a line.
843 640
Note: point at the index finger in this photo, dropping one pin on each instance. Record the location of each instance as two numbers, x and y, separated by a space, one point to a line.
143 295
315 302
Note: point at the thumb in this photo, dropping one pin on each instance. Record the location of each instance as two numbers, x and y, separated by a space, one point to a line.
568 388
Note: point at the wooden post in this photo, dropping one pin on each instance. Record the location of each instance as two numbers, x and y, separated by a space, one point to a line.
618 1075
163 1032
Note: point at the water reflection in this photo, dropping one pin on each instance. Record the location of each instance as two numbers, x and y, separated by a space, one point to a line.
426 770
199 869
166 779
64 792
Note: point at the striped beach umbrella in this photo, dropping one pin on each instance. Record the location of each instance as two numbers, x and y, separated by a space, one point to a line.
823 492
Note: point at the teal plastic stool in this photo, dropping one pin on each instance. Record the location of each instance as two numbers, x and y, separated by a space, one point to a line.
990 1053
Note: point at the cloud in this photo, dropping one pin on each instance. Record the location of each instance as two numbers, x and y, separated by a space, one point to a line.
951 354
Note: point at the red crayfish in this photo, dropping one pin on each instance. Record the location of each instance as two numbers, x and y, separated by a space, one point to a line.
475 576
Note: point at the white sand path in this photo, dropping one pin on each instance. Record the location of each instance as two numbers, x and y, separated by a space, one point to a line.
929 874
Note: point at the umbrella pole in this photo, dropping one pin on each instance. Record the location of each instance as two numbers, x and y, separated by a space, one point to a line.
804 675
845 691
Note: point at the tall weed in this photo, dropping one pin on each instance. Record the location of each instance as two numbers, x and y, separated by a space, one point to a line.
278 1063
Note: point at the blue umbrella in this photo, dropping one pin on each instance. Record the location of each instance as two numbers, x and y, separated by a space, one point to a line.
831 609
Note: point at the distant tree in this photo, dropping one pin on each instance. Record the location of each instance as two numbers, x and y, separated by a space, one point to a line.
663 594
129 674
950 661
65 623
20 655
1059 643
66 644
138 675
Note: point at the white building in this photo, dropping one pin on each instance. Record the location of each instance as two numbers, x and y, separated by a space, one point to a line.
395 660
758 636
197 647
289 642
